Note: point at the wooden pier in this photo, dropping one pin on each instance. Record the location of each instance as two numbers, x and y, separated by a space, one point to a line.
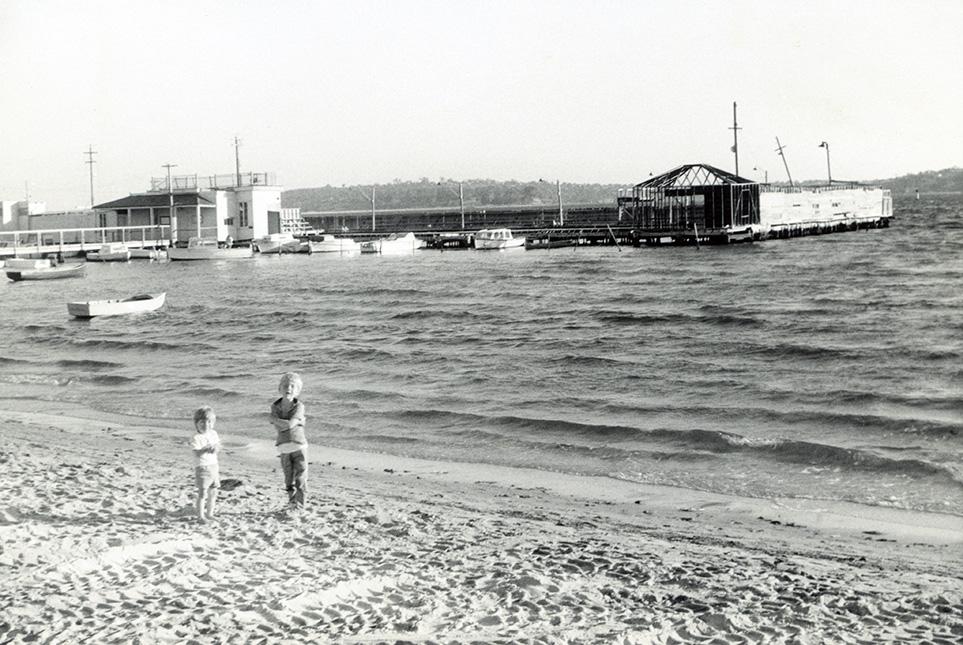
75 241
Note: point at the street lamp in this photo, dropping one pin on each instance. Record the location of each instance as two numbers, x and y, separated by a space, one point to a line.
172 219
558 189
370 198
765 172
828 171
461 200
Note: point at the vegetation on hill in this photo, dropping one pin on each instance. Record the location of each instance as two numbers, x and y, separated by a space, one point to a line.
948 180
427 193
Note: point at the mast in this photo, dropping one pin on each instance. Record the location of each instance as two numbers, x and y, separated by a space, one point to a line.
779 149
735 136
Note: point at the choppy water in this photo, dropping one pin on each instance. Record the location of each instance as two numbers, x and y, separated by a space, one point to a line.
823 367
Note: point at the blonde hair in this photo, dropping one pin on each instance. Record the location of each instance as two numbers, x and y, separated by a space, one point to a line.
294 379
204 412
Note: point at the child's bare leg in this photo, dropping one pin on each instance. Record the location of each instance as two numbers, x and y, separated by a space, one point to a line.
211 502
200 504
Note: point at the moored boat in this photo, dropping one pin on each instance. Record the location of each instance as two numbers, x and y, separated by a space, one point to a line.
394 244
497 238
146 254
281 243
203 248
110 252
74 270
135 304
536 243
328 243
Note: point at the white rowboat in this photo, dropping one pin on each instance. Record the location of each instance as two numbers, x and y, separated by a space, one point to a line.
133 305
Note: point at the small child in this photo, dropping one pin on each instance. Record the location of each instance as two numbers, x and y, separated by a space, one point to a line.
206 444
287 417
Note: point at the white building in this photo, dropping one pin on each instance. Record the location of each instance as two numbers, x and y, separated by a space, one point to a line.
243 207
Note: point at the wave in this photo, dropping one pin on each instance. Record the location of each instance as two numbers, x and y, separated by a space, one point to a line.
694 441
108 379
87 364
6 360
145 345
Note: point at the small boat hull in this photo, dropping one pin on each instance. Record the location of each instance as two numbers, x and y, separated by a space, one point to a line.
110 252
48 273
332 244
394 244
209 253
133 305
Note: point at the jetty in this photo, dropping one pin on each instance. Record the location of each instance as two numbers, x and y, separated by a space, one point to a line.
78 241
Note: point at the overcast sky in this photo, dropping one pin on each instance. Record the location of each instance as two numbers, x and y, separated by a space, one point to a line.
368 92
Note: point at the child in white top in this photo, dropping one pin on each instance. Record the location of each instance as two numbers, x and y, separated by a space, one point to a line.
206 444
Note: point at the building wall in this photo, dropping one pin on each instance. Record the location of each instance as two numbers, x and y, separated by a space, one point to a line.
823 207
7 220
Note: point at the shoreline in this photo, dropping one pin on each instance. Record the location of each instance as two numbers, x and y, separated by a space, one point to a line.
403 548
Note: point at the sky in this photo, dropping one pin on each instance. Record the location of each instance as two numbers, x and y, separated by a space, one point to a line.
366 92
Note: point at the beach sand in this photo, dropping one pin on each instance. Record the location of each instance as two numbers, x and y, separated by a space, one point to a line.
99 544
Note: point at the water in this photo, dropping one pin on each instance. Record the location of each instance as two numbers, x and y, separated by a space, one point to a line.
823 367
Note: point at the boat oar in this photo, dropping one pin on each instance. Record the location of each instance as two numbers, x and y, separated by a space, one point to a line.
614 238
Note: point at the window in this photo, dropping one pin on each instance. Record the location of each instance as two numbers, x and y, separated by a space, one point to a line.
242 214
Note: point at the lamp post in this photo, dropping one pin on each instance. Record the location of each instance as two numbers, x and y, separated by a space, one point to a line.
558 190
170 201
461 200
370 198
765 173
829 172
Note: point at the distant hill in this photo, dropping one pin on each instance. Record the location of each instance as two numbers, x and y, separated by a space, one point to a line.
426 193
948 180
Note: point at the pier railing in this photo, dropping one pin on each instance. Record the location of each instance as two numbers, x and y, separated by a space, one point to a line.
211 182
72 240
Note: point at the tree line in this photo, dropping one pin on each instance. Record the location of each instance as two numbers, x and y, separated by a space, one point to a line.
444 193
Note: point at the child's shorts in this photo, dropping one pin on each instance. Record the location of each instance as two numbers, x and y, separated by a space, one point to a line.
207 477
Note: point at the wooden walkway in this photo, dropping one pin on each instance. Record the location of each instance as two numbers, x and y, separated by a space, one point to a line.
72 241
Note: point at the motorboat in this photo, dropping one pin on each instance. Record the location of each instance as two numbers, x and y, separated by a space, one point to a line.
497 238
328 243
110 252
133 305
73 270
207 248
281 243
146 254
394 244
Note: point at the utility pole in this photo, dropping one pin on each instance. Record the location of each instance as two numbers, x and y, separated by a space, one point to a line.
370 198
829 172
237 160
461 199
558 191
779 149
90 162
170 200
735 136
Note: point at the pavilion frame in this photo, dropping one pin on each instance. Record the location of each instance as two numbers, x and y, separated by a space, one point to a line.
693 196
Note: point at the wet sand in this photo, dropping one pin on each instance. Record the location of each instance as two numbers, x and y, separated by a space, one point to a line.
99 543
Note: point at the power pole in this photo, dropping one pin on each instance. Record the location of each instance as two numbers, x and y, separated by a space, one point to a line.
172 220
237 160
779 149
735 136
90 162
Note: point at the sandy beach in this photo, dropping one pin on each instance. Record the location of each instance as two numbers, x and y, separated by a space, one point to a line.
99 544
